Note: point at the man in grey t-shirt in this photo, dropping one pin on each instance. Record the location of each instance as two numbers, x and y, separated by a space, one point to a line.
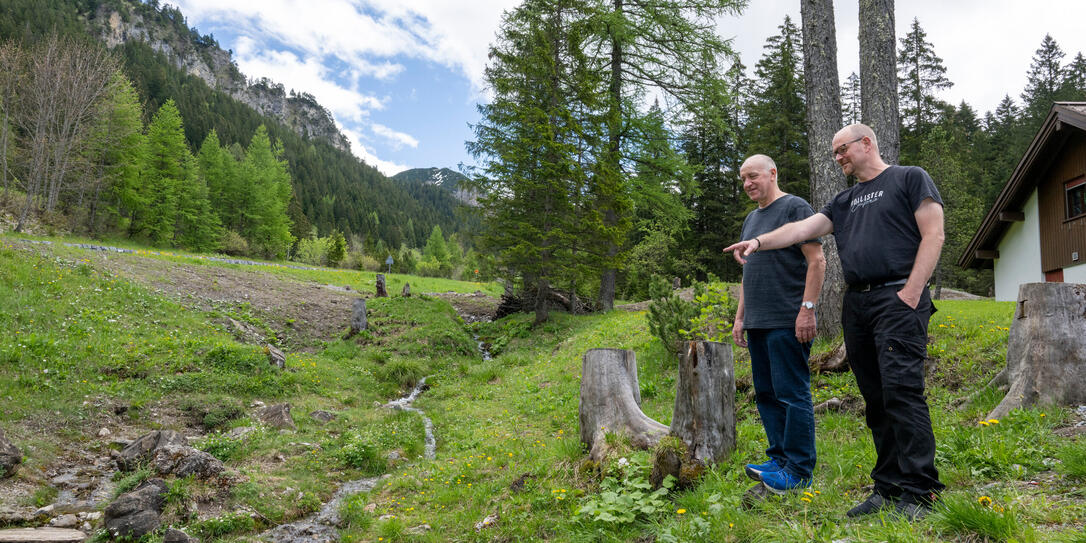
776 313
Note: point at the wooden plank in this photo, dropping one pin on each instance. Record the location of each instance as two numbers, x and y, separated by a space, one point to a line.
985 254
1012 216
41 535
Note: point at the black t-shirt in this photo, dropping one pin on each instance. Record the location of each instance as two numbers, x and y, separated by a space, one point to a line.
773 281
875 226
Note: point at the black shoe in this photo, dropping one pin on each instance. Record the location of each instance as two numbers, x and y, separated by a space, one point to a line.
914 506
872 505
911 510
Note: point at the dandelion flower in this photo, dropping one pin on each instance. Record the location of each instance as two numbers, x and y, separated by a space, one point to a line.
681 511
993 421
984 500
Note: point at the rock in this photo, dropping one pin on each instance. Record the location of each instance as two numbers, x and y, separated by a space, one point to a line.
174 535
136 513
104 432
322 416
370 507
487 521
141 449
393 456
184 461
257 403
386 517
10 457
65 521
277 416
240 432
41 535
419 530
276 357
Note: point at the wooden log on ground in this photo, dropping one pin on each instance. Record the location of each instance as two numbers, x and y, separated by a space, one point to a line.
832 361
41 535
611 402
1046 350
704 416
382 292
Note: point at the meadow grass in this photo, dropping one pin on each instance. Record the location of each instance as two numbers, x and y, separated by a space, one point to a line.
80 342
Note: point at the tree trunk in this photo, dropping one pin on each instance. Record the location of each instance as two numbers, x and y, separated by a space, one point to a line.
611 402
358 317
1046 351
704 417
823 121
878 74
382 292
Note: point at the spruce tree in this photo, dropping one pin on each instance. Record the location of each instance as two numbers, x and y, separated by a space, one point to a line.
850 99
778 116
167 164
116 152
220 170
1043 83
920 75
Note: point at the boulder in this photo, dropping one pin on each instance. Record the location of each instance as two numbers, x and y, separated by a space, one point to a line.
141 450
322 416
277 416
184 461
276 357
173 535
136 513
10 457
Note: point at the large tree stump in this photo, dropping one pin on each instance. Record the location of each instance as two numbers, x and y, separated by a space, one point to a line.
406 292
1046 351
382 292
704 416
611 402
358 318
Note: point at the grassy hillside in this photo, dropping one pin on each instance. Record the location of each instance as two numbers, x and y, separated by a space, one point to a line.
95 340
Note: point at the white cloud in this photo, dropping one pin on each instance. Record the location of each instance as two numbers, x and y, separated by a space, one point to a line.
398 139
308 75
367 154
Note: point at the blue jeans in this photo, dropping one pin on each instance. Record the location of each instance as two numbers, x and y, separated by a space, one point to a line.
782 386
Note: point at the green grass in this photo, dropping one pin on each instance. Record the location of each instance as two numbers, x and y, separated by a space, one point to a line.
507 429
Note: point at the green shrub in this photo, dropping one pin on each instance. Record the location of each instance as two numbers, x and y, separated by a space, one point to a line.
626 495
222 447
401 372
709 316
353 512
362 455
233 244
229 523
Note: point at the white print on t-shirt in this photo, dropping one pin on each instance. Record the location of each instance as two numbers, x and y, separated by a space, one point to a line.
869 198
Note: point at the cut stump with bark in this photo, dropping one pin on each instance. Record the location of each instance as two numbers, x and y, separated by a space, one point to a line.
611 402
358 318
406 292
382 292
704 417
1046 350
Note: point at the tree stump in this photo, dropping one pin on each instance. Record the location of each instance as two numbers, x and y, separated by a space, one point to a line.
832 361
358 318
406 293
704 417
381 291
611 402
1046 350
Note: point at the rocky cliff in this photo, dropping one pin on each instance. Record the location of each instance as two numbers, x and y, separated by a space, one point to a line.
445 178
201 56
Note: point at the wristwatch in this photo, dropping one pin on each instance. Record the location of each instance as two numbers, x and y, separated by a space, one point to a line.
807 305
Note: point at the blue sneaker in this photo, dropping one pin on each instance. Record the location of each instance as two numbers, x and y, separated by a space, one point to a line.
782 482
755 471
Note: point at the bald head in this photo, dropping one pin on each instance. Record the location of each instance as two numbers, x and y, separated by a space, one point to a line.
761 162
759 175
856 131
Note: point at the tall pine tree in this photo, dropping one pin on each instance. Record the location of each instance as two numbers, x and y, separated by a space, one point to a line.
920 75
266 181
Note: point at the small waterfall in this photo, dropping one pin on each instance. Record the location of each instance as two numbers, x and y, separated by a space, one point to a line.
404 404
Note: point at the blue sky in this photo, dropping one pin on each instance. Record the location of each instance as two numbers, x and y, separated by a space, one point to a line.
402 77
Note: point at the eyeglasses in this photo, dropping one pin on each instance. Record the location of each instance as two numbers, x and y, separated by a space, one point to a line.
841 149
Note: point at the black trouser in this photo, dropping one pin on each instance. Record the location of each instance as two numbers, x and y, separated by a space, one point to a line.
886 342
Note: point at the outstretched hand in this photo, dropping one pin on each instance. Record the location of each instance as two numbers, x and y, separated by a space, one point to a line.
740 251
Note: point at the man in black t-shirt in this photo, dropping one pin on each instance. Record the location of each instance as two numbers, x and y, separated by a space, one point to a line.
776 313
889 233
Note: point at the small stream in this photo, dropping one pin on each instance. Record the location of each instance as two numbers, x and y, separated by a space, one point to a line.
404 404
321 526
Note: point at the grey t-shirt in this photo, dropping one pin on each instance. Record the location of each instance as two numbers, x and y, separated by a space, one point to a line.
773 281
